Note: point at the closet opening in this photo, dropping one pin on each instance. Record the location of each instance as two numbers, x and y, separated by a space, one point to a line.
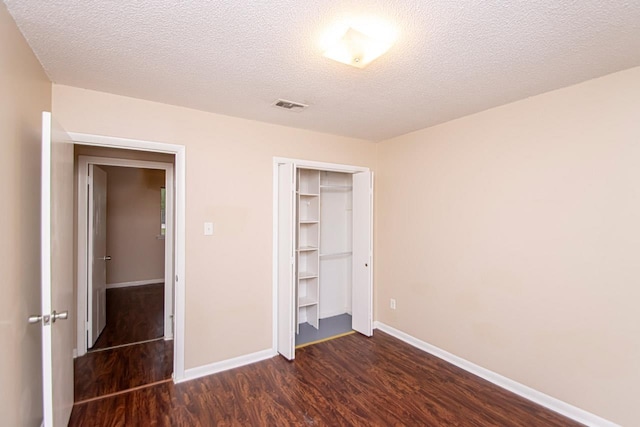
324 219
323 245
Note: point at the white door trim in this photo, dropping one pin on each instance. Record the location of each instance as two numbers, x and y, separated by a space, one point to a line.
308 164
311 164
174 260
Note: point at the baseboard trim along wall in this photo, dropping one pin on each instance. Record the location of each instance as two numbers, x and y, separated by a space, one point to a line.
535 396
225 365
135 283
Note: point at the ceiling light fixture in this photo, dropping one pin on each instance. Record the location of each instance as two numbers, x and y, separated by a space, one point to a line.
359 47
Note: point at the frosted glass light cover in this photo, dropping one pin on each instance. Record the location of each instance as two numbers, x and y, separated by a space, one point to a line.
357 49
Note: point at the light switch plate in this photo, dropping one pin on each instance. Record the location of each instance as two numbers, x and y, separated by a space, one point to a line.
208 229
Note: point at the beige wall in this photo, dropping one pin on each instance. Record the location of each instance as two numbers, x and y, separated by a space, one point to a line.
26 92
510 238
229 182
133 224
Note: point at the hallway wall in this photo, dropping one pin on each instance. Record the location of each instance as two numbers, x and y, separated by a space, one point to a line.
134 239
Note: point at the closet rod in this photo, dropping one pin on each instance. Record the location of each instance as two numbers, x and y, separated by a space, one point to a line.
337 187
336 254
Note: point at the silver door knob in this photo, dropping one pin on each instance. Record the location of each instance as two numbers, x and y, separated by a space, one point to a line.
106 258
35 319
63 315
45 319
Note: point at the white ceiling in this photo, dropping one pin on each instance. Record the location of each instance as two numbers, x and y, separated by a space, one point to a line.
451 58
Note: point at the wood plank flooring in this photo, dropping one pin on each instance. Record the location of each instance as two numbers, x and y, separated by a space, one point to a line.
349 381
109 371
133 314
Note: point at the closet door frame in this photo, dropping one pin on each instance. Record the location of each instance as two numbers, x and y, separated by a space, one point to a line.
305 164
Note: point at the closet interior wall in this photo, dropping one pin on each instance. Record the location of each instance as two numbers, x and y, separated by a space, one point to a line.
336 235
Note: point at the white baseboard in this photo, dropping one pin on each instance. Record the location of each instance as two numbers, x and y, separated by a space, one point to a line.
225 365
135 283
535 396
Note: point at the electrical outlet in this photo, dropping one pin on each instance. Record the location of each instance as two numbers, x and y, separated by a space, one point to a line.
208 229
392 304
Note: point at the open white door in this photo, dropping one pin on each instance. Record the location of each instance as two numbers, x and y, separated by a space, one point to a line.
56 274
97 254
362 284
286 257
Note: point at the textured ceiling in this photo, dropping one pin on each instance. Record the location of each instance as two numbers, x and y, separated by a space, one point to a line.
451 58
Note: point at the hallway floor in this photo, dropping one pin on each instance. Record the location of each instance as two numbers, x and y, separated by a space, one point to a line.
134 314
100 373
131 351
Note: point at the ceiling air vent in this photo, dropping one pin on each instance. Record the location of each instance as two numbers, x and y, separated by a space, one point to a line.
289 105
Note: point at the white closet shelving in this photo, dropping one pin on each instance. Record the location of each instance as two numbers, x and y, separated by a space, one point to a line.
308 247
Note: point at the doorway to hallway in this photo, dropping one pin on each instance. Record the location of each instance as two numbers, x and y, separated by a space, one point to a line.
134 348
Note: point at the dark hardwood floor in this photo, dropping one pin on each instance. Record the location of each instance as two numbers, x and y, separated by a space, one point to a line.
133 314
109 371
353 380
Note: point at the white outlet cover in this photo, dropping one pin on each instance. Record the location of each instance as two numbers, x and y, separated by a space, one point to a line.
208 228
